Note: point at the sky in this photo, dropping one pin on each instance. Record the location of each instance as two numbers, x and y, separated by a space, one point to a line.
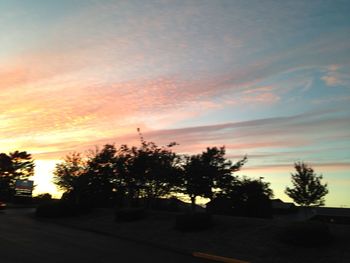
267 79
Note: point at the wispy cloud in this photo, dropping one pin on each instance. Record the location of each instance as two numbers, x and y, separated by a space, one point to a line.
270 141
330 167
336 76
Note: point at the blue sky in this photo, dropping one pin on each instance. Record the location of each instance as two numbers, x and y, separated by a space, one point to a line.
269 79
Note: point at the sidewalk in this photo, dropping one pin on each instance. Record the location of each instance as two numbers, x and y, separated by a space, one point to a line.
247 239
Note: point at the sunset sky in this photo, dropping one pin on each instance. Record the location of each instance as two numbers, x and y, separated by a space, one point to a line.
267 79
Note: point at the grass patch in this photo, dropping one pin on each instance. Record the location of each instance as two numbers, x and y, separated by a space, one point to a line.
193 222
306 234
61 209
130 214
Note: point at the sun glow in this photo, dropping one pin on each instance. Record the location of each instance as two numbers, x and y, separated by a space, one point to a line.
43 178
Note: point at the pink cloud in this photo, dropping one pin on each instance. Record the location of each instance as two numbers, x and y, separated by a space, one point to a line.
257 90
335 76
329 167
267 98
332 79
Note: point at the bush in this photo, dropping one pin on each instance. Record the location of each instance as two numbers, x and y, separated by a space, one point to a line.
165 204
193 222
129 214
43 199
306 233
220 206
61 209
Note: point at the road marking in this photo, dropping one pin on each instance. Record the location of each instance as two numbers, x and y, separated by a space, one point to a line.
217 258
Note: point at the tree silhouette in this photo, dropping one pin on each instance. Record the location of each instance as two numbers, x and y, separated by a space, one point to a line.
208 174
69 176
147 172
124 175
14 166
101 175
22 165
127 182
251 197
308 189
158 169
67 172
6 188
196 181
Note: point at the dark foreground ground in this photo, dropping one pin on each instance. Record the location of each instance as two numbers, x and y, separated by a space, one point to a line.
98 238
25 239
253 240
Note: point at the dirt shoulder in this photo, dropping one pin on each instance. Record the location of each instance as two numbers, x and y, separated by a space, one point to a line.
253 240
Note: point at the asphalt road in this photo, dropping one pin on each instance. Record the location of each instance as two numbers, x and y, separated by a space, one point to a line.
23 239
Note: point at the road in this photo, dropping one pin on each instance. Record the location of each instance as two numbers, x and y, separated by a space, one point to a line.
24 239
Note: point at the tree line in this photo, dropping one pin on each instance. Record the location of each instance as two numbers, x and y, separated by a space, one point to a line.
126 176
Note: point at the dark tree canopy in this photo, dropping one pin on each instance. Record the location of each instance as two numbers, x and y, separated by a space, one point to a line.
124 175
307 187
251 197
209 174
245 197
148 171
14 166
6 167
89 180
247 188
22 165
196 182
67 173
100 175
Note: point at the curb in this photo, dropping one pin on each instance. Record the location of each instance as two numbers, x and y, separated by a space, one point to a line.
217 258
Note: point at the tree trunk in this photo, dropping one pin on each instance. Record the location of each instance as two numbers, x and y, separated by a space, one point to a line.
193 204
